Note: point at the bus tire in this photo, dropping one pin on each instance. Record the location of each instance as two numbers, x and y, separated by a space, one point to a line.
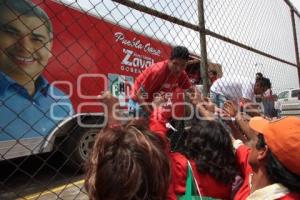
78 146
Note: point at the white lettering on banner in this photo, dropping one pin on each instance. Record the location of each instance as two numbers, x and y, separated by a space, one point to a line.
120 37
131 69
136 60
151 50
128 54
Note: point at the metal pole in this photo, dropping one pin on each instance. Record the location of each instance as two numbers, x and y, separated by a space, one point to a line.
296 43
203 64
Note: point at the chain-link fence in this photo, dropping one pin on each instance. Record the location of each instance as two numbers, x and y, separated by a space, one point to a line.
51 75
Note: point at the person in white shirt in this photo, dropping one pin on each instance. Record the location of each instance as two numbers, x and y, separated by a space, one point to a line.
236 88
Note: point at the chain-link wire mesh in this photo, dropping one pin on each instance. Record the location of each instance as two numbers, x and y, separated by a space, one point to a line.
50 113
297 27
247 23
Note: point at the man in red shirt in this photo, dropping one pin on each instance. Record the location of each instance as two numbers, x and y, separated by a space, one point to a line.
160 81
271 166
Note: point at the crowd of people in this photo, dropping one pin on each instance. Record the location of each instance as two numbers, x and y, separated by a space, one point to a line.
232 153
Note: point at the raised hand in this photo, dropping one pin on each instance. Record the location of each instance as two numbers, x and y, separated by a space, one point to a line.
230 109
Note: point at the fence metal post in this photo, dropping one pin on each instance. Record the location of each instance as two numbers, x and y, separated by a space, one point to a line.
296 43
203 59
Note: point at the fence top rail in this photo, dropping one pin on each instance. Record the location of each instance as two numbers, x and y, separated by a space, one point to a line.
292 7
175 20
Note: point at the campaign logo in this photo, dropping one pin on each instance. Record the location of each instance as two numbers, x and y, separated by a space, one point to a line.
120 86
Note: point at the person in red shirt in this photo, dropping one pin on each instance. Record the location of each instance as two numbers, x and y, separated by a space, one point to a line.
271 165
159 80
209 149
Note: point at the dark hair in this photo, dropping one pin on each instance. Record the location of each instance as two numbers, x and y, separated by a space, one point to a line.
214 72
268 83
127 163
264 82
27 8
259 75
180 52
276 172
209 144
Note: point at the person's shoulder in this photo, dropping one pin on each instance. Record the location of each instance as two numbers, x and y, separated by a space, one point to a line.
5 82
268 93
176 154
242 148
242 154
160 65
179 158
155 68
179 164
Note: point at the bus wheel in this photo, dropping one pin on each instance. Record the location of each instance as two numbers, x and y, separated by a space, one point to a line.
78 146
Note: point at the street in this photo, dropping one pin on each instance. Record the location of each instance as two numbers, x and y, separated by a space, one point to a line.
32 178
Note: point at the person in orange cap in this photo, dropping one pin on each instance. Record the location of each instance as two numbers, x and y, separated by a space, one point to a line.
271 166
